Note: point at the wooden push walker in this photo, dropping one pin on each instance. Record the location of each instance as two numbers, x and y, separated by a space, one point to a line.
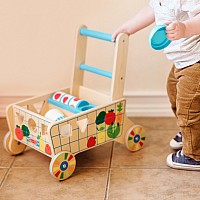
89 118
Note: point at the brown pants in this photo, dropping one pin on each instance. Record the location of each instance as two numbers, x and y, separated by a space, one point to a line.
183 87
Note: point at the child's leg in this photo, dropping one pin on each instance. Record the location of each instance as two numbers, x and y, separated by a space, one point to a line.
188 115
176 142
188 108
171 89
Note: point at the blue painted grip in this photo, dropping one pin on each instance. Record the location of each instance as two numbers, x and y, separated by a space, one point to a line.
96 34
96 70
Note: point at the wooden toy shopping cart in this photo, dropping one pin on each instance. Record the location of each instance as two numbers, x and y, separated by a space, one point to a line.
101 120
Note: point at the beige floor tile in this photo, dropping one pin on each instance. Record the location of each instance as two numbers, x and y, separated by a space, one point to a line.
153 184
37 183
5 159
31 158
152 155
96 157
159 123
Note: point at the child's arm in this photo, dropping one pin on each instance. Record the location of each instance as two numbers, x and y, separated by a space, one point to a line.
176 30
142 19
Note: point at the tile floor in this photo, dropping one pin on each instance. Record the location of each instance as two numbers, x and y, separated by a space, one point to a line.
106 172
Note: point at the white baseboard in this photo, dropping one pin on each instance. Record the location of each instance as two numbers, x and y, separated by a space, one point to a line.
148 105
138 105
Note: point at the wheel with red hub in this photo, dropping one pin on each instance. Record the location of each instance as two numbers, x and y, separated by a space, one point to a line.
62 165
135 138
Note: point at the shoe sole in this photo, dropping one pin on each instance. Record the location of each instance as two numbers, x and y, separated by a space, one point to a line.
181 166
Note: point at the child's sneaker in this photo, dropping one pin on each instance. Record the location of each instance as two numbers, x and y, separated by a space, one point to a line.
179 161
176 143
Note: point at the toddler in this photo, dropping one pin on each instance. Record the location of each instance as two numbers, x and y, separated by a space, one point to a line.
182 18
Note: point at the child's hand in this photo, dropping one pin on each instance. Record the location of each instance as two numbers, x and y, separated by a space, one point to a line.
142 19
121 29
175 30
116 33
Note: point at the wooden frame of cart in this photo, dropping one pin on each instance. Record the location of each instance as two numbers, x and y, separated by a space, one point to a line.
78 131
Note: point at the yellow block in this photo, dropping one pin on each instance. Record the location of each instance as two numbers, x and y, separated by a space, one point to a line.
101 137
42 145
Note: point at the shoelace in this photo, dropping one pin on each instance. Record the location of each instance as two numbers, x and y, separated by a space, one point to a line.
179 157
179 153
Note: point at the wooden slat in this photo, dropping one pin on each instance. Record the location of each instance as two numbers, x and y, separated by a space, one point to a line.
33 100
80 53
119 67
93 96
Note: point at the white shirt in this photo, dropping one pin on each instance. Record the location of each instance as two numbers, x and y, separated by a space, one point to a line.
185 51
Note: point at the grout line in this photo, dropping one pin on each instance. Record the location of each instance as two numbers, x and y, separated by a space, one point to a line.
109 173
92 167
139 168
6 174
107 184
29 167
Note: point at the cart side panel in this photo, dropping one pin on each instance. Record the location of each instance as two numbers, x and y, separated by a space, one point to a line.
91 129
31 130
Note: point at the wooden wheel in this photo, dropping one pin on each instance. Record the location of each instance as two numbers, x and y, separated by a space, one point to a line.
6 142
13 147
135 138
62 165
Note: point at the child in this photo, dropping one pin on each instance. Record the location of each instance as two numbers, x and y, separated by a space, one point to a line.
182 18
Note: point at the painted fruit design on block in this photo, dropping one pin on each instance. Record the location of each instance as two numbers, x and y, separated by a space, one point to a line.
76 99
101 137
25 130
110 120
113 130
57 96
48 149
65 99
100 121
119 115
19 133
91 142
110 117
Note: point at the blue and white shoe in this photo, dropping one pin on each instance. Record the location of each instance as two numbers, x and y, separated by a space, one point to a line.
179 161
176 143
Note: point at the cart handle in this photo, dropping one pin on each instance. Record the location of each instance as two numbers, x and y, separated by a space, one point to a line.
96 34
96 70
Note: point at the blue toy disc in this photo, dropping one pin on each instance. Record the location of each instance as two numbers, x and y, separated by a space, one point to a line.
157 38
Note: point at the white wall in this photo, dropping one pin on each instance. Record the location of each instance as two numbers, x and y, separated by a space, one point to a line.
37 40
